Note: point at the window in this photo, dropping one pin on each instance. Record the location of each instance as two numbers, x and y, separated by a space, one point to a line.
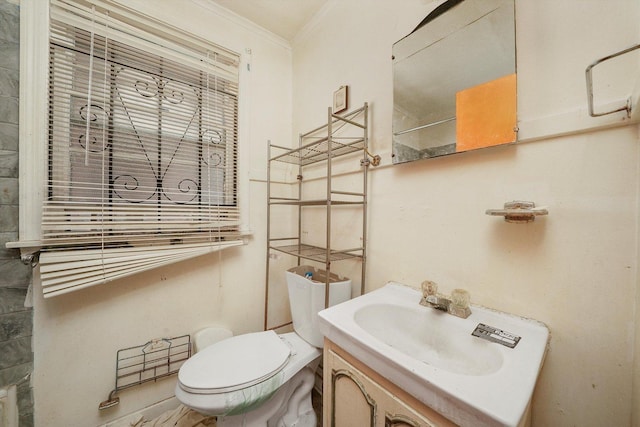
141 148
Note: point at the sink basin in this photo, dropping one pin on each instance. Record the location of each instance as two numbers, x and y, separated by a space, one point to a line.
448 345
434 356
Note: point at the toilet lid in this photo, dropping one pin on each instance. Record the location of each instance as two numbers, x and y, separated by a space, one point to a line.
234 363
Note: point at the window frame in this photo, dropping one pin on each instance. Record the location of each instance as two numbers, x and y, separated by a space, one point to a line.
33 127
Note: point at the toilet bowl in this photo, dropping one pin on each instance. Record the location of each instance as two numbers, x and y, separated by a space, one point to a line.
241 379
262 378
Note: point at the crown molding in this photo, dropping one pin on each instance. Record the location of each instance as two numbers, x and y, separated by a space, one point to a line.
242 22
310 26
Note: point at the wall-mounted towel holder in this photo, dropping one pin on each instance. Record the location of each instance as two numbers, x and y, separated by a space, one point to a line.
588 73
518 211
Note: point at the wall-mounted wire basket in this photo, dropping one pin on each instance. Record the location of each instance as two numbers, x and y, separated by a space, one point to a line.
150 361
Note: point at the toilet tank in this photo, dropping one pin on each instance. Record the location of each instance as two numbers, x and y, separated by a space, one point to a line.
306 298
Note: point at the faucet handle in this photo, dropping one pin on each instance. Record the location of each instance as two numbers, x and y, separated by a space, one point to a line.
460 303
429 288
429 293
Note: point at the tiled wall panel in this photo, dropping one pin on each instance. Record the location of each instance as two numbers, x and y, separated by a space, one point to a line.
16 320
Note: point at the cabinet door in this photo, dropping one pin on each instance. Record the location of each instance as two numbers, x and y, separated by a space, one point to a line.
399 414
352 403
352 399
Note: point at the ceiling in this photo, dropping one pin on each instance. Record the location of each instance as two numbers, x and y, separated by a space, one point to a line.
282 17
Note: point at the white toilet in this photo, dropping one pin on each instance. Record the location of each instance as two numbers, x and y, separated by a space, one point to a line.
264 379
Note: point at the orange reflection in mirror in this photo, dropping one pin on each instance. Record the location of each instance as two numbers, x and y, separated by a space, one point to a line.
486 114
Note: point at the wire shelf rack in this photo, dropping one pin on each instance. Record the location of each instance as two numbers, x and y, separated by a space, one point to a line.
339 137
316 146
318 151
316 253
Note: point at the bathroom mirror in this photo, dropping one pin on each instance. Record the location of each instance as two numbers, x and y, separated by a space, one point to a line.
454 81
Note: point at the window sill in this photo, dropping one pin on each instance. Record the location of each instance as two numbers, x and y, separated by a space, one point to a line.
30 249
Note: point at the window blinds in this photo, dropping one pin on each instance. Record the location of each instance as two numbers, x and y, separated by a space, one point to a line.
142 147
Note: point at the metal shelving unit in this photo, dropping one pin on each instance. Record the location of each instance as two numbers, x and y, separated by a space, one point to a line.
342 135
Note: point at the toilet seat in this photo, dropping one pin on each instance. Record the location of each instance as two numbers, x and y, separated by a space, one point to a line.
234 363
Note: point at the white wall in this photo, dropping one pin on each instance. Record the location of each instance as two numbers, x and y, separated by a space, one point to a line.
575 270
77 335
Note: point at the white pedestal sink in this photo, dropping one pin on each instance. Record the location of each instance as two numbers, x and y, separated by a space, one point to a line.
433 355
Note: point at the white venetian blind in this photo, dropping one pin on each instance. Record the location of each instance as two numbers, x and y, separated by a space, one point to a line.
142 146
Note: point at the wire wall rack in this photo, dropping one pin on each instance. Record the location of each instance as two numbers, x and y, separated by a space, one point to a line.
151 361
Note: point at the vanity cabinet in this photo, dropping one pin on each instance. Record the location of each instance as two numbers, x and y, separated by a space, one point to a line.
355 395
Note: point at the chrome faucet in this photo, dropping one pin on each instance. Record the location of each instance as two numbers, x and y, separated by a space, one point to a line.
458 305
